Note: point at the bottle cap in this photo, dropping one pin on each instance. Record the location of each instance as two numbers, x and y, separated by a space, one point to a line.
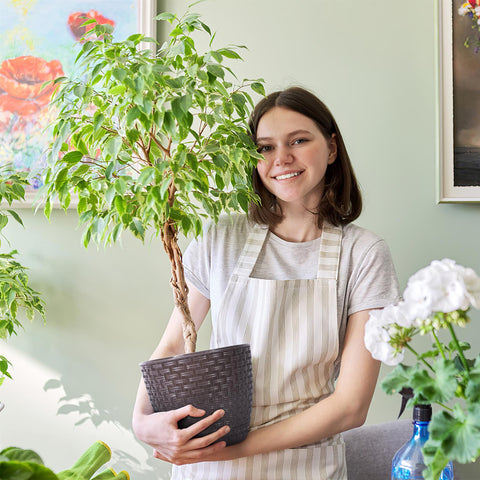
422 413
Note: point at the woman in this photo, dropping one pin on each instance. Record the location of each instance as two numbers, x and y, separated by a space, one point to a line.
296 280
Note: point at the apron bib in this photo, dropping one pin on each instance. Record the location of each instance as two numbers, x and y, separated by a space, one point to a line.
293 331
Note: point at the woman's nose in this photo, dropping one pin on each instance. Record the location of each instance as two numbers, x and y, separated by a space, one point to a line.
282 155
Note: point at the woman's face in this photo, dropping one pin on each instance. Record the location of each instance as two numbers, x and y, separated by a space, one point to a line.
296 157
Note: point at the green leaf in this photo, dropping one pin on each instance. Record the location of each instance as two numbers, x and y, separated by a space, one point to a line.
98 120
117 90
16 216
146 176
243 200
119 73
120 204
117 230
472 391
166 16
398 378
21 455
458 434
3 221
435 460
113 146
216 71
47 210
229 53
120 186
72 158
438 389
14 470
137 228
258 88
132 115
169 123
82 205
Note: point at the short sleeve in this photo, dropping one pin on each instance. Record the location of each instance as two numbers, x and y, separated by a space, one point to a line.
197 262
373 282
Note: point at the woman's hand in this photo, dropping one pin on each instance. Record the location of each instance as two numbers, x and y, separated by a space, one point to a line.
178 446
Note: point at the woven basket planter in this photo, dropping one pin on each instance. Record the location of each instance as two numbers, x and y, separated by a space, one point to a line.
210 380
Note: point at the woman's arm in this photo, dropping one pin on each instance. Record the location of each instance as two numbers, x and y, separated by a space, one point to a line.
346 408
160 430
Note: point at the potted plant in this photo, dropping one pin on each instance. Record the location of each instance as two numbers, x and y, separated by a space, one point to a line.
17 463
155 143
16 296
436 302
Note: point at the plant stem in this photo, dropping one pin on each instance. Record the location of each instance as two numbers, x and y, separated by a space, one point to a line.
459 350
439 345
418 357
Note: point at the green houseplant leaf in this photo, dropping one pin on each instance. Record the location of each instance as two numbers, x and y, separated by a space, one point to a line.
153 143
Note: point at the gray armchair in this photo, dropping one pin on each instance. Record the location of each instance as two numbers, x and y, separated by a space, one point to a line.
370 449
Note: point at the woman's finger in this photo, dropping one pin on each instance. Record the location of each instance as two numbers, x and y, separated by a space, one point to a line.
188 410
205 441
204 423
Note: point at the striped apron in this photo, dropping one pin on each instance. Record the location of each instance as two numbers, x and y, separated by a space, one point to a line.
293 330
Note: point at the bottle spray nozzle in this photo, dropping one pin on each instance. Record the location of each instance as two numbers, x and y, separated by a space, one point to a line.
407 394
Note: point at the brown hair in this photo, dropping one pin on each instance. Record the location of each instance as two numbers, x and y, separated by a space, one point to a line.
341 202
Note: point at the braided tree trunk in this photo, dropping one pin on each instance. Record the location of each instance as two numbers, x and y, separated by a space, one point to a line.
169 236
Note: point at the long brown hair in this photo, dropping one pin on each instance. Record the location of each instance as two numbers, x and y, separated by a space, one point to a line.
341 202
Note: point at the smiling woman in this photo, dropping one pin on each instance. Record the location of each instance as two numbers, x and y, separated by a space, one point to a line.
296 281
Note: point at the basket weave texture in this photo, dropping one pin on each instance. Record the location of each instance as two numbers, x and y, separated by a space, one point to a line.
210 380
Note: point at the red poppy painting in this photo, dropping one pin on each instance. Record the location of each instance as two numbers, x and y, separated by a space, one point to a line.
22 84
76 23
39 43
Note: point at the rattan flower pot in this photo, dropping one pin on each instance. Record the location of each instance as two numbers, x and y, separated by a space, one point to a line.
210 379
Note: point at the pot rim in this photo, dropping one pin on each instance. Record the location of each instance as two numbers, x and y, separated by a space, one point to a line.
180 356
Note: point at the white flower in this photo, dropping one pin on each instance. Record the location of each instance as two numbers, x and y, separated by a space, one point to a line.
440 287
401 315
377 336
472 284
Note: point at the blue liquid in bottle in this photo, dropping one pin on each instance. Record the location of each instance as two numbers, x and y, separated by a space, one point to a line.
407 464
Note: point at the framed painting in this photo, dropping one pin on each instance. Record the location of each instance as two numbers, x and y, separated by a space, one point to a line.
459 61
40 41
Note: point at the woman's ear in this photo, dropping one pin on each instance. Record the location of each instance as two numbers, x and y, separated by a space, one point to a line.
332 145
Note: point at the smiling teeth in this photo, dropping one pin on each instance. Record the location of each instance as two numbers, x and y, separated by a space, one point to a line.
287 175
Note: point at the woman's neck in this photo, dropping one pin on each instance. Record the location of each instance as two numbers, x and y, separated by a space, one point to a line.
298 226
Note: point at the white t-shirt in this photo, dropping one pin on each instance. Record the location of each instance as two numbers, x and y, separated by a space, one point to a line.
366 278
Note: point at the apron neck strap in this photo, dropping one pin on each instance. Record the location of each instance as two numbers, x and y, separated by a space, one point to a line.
328 258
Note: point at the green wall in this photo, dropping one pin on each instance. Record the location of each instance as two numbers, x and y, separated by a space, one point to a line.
375 64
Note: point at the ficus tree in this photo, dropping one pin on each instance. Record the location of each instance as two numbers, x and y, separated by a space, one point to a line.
17 298
153 142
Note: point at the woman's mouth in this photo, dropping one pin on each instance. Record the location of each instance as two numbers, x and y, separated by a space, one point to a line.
287 175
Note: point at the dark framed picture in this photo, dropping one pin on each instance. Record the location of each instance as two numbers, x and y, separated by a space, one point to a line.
459 62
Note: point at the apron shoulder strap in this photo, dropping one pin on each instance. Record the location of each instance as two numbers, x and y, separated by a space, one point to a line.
329 255
250 251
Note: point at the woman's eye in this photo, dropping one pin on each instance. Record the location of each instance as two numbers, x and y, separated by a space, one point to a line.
264 148
299 141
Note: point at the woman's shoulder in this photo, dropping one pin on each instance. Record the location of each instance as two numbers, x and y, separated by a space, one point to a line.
236 223
359 240
233 228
